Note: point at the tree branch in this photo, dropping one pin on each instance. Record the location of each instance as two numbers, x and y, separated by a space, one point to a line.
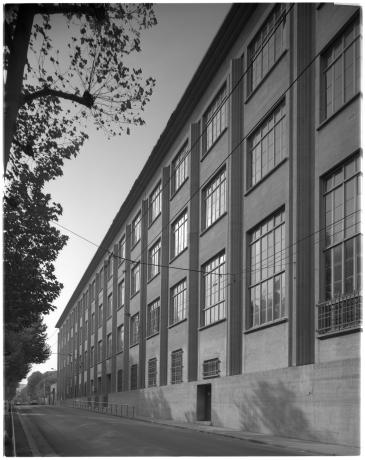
97 11
86 99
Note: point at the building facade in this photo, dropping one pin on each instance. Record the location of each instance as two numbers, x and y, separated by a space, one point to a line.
228 287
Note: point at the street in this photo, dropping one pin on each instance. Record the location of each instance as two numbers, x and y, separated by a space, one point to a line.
63 431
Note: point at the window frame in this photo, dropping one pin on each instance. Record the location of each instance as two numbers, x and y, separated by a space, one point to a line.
134 330
152 372
109 305
154 266
177 366
216 111
175 293
214 186
175 232
153 318
180 168
136 229
134 278
121 293
220 305
121 249
109 345
120 338
153 199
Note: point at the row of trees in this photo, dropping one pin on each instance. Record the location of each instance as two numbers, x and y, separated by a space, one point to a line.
37 388
53 88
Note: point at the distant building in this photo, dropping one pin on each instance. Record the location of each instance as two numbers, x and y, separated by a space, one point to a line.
228 287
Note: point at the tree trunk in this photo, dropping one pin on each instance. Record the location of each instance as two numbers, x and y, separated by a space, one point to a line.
15 71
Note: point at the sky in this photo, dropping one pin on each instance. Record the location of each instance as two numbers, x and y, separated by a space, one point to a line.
95 184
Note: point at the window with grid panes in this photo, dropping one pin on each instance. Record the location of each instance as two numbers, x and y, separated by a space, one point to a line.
266 147
341 70
176 366
211 368
214 290
109 305
120 338
178 302
266 48
155 203
120 380
108 345
153 317
152 372
136 229
135 279
121 249
267 271
343 226
134 329
154 260
121 294
179 234
215 119
179 169
134 376
214 199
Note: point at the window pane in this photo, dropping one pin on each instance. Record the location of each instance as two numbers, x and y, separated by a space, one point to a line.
349 266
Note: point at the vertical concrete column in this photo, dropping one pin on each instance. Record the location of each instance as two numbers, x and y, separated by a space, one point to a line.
194 235
114 319
235 222
165 251
127 314
304 115
105 301
82 341
143 295
88 389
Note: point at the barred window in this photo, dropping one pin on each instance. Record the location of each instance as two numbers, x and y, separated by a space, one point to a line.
214 199
108 345
178 302
179 169
120 338
266 48
135 329
152 372
153 317
134 377
154 260
341 70
136 229
121 249
155 203
342 222
135 279
110 305
100 351
176 366
179 234
121 294
214 290
211 368
267 271
215 119
120 380
110 266
266 147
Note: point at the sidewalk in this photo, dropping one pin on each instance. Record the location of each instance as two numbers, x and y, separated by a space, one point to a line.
307 447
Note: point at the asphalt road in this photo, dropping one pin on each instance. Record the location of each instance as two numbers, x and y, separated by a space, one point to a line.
67 432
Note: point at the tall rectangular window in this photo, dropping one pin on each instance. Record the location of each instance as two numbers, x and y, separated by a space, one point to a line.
100 351
266 48
86 363
134 377
100 315
121 294
121 249
153 317
136 229
178 302
179 169
214 202
110 266
266 146
179 234
134 329
152 372
120 338
342 251
176 366
108 345
110 305
155 203
215 119
92 323
267 271
92 294
135 279
341 70
101 279
154 260
214 290
120 380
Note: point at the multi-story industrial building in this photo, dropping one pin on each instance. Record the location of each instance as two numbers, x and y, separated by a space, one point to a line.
228 287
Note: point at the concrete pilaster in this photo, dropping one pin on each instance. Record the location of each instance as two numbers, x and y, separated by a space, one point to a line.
114 320
127 308
143 295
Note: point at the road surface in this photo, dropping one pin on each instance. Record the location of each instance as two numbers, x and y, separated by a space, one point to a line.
63 431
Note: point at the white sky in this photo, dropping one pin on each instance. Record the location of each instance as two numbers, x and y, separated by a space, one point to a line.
95 184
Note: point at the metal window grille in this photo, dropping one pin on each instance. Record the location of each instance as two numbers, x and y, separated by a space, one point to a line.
153 317
134 376
176 366
152 372
339 314
211 368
